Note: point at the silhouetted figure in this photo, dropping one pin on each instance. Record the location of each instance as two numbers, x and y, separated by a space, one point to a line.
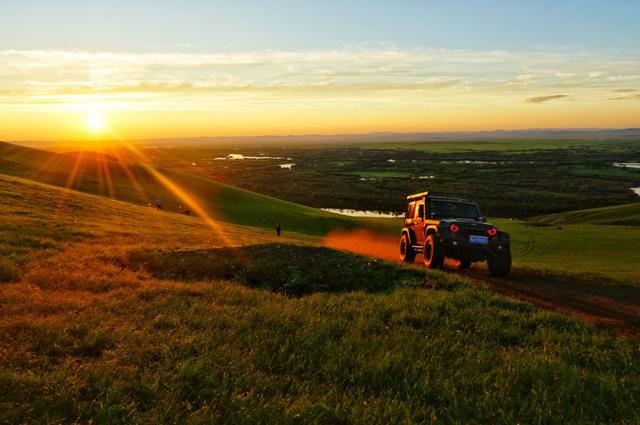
180 209
158 204
278 229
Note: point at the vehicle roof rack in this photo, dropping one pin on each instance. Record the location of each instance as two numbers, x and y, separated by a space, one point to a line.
450 198
417 196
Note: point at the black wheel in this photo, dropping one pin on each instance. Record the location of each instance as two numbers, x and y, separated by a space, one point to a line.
499 264
465 264
433 255
407 254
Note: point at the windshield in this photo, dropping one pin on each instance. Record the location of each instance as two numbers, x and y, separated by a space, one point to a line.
449 209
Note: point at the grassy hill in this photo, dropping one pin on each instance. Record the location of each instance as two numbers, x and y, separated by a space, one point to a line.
607 252
626 215
117 313
135 183
576 248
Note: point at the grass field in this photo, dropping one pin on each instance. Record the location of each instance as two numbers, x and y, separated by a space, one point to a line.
510 145
581 170
379 174
608 251
123 314
616 215
136 184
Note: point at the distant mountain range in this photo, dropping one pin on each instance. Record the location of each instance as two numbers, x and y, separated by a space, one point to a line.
537 133
409 137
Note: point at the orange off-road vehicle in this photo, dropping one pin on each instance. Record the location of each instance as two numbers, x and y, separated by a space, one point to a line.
442 227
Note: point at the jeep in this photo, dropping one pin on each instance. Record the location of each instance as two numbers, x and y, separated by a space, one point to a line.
442 227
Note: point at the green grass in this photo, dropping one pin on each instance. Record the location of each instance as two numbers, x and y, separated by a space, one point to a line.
290 269
609 251
626 215
380 174
220 201
603 172
217 352
122 314
39 220
506 145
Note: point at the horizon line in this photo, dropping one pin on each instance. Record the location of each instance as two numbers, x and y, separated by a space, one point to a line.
355 134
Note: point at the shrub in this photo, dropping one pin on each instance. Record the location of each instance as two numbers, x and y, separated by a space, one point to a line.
8 271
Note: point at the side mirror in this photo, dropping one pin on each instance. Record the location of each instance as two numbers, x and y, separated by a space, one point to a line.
483 219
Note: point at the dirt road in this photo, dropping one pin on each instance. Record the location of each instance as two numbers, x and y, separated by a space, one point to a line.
612 307
615 308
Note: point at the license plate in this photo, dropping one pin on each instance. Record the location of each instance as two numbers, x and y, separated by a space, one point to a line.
481 240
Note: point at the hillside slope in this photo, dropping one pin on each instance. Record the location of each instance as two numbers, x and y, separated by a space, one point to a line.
116 313
625 215
39 220
95 173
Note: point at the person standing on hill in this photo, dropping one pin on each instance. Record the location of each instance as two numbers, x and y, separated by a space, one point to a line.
278 229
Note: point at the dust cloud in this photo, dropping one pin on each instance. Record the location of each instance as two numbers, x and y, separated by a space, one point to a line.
365 242
373 244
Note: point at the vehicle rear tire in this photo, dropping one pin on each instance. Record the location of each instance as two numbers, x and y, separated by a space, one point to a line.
433 254
407 254
499 264
465 264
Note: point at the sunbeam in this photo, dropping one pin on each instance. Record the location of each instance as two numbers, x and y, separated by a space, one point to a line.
174 188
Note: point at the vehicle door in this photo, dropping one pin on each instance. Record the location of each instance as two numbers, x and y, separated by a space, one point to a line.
419 222
431 215
408 218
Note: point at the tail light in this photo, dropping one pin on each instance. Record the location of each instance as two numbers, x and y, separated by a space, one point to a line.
493 231
454 228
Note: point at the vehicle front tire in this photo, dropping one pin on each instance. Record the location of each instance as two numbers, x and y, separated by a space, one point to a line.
499 264
407 254
433 254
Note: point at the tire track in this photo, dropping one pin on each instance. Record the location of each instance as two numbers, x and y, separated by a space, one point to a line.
614 308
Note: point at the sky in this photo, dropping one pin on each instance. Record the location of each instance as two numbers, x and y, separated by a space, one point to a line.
72 70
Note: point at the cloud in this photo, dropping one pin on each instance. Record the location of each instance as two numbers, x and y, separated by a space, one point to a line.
631 97
40 80
623 90
542 99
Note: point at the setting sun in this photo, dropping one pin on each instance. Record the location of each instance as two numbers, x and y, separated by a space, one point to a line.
95 121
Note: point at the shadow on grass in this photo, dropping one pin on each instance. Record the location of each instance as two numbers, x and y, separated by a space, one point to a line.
290 269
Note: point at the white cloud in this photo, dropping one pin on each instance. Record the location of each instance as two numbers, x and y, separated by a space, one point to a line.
52 79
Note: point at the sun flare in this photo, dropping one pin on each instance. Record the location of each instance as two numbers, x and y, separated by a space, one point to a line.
95 121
